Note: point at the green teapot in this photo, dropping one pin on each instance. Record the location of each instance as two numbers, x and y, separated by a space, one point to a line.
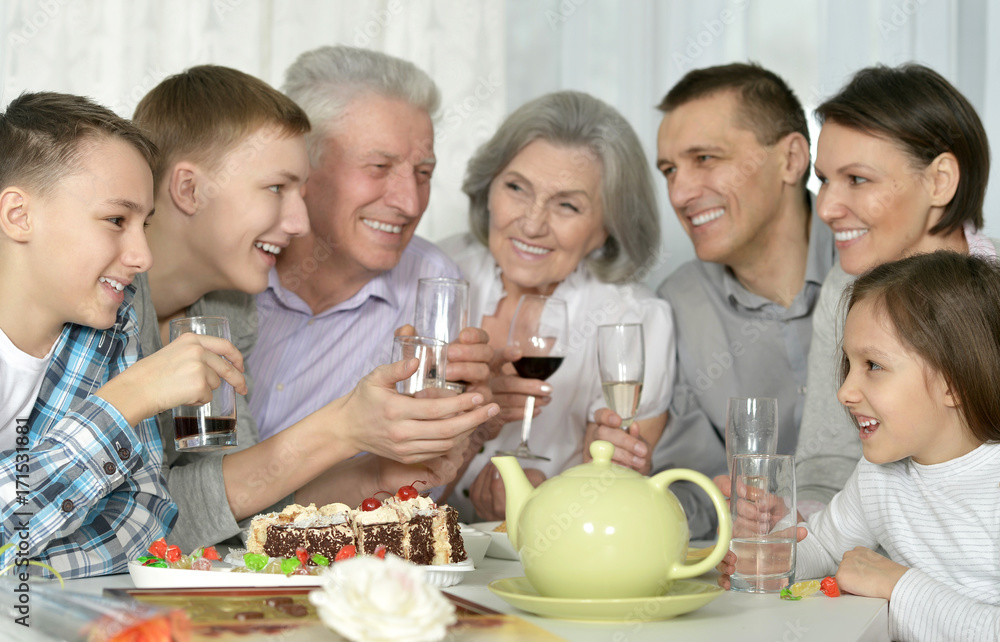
603 531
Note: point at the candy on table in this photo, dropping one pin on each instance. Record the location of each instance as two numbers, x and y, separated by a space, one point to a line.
830 587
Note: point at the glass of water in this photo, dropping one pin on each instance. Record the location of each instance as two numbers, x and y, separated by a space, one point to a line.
762 501
751 427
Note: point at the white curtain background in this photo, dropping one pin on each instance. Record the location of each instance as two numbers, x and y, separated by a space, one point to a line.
489 56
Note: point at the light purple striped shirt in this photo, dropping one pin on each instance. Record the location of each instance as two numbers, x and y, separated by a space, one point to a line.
303 361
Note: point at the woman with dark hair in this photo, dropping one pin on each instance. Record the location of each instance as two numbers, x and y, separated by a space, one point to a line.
903 160
561 203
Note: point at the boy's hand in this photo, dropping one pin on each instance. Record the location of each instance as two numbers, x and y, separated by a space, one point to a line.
864 572
183 372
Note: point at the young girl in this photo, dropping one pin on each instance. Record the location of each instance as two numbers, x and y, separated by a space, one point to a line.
920 376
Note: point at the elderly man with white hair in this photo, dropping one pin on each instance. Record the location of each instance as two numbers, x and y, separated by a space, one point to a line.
338 294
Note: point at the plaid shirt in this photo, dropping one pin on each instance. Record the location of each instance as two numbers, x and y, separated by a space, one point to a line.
83 491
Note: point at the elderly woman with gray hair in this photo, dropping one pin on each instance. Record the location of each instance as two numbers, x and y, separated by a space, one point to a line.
562 204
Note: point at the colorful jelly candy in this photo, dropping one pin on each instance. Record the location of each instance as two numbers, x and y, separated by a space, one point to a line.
830 587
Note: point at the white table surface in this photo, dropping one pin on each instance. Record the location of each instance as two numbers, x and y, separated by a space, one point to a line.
732 616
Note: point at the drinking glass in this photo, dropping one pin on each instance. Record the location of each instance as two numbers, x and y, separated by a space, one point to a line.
210 426
751 427
433 357
621 358
764 517
539 329
442 308
441 312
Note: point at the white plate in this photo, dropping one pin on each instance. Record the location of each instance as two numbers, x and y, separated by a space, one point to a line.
221 574
500 547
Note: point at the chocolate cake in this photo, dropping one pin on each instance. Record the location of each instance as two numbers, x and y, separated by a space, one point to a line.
415 529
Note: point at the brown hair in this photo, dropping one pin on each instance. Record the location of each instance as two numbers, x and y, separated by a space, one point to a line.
202 113
768 106
43 134
944 306
924 115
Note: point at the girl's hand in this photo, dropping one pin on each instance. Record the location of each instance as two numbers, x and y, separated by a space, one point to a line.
728 564
864 572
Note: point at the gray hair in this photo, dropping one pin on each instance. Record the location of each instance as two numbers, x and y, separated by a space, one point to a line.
576 119
324 81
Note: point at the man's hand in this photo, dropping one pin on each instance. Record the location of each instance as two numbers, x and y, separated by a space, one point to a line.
631 450
184 372
864 572
373 417
488 495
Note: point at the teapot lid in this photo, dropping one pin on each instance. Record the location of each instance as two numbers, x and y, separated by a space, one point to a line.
601 466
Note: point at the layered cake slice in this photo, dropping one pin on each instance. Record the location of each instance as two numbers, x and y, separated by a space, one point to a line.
431 534
416 529
321 531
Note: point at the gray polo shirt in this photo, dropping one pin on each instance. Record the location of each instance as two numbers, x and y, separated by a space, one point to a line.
733 343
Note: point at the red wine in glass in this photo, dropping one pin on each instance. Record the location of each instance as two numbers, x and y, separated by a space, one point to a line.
539 331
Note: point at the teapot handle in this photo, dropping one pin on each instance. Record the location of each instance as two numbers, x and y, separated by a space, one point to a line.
667 477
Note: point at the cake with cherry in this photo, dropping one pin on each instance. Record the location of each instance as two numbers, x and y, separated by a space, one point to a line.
406 525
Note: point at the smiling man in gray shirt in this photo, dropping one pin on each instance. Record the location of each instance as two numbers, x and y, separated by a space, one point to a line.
734 148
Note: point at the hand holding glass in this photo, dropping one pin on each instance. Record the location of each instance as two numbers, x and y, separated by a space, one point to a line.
539 330
621 358
433 357
213 425
751 427
762 502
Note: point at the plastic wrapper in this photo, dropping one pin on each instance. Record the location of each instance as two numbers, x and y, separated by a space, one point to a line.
63 615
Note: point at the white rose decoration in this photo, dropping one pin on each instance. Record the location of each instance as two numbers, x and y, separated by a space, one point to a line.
367 598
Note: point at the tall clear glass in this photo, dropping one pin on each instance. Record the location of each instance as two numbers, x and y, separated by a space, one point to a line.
213 425
621 358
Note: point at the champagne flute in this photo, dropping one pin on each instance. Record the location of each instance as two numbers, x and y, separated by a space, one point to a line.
621 359
539 328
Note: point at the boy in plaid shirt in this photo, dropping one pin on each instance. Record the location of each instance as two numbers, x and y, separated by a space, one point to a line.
81 486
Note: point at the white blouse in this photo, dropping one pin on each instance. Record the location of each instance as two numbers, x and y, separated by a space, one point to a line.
558 432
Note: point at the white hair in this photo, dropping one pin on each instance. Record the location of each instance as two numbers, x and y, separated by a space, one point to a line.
324 81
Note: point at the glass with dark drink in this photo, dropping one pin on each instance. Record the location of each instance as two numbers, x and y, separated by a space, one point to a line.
212 425
539 329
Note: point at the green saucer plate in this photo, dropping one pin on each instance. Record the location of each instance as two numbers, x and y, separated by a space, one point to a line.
684 597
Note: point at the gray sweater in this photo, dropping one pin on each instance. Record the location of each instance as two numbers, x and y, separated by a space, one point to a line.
195 479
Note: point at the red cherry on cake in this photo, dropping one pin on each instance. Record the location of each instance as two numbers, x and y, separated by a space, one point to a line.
302 554
408 492
346 552
380 551
370 504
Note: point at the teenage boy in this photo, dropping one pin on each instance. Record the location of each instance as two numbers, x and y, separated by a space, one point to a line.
81 487
229 197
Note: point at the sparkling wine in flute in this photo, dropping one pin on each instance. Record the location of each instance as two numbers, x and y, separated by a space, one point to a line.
623 398
621 357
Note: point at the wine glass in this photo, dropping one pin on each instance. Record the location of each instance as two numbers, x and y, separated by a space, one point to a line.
621 359
751 427
539 329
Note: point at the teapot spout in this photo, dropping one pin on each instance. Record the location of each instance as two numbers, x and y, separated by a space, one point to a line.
518 488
